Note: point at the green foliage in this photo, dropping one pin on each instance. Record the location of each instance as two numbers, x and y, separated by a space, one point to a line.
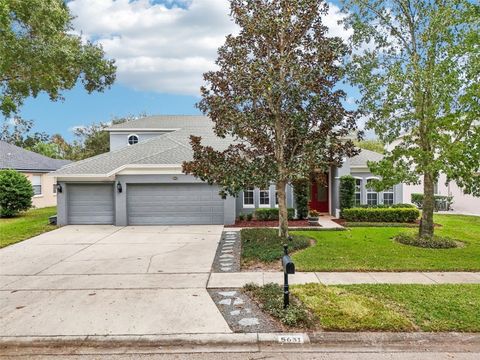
372 145
16 193
301 191
39 52
384 206
51 150
347 192
270 299
266 246
18 131
340 310
419 83
32 223
275 91
381 215
249 216
442 202
241 216
435 242
372 249
272 214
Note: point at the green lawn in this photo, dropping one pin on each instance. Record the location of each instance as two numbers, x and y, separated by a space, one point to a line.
32 223
372 249
264 245
393 307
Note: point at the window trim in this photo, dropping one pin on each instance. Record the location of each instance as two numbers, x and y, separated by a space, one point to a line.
359 191
248 206
128 139
40 184
371 191
389 192
259 197
54 189
276 198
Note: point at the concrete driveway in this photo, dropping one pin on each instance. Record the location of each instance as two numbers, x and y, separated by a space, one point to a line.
99 280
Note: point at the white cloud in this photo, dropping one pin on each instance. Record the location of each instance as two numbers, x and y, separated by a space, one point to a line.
163 48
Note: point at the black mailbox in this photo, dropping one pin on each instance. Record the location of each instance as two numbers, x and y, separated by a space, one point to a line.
288 268
288 265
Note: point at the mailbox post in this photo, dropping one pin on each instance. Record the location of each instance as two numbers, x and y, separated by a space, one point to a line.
288 268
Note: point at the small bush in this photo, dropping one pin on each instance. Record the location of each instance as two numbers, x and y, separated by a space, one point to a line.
400 205
405 215
436 242
270 299
241 216
16 193
249 216
347 192
272 214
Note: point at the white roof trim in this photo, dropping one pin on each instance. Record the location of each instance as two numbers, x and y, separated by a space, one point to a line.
112 173
143 129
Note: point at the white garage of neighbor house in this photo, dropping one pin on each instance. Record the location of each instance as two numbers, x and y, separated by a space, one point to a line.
140 181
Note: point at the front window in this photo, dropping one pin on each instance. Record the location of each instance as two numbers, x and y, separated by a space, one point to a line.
264 200
388 196
276 198
248 197
358 191
372 195
132 139
37 184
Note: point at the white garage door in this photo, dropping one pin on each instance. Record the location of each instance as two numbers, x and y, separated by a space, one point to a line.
90 203
173 204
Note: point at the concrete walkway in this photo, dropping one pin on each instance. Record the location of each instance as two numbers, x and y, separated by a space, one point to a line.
236 280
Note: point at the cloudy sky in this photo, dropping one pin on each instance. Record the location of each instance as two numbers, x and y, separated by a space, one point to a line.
161 49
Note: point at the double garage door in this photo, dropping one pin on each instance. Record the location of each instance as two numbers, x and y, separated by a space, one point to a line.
147 204
164 204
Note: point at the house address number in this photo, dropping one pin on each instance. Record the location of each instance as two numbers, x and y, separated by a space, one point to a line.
290 339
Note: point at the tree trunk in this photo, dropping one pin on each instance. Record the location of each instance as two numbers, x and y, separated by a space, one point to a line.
282 209
426 225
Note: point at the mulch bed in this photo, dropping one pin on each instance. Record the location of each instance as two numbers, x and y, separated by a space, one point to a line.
269 223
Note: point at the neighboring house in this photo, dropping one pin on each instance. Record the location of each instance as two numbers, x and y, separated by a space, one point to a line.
462 203
140 181
35 167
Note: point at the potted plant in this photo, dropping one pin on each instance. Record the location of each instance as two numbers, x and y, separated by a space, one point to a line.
313 216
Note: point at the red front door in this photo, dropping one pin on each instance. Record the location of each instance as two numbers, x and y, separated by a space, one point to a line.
319 195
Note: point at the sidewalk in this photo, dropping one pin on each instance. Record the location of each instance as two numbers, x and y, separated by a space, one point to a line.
239 279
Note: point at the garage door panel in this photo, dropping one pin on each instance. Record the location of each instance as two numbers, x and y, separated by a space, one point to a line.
168 204
90 204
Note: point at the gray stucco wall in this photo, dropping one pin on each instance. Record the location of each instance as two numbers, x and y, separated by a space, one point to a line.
119 140
256 197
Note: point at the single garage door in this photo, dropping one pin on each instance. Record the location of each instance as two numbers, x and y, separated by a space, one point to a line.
173 204
90 203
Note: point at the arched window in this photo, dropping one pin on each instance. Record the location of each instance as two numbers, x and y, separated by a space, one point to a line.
132 139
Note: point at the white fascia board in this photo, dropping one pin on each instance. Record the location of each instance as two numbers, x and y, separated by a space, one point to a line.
163 169
143 129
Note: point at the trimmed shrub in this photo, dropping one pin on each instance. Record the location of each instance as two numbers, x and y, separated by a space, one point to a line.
272 214
436 242
301 193
249 216
16 193
381 215
383 206
400 205
241 216
347 192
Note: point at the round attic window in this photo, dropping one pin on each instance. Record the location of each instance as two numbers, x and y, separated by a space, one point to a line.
132 139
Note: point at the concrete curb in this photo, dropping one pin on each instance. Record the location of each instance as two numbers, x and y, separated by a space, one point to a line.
327 341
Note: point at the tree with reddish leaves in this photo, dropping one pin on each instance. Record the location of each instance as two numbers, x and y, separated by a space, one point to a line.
274 95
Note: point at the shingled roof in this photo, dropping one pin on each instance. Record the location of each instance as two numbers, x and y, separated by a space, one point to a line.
172 148
14 157
365 156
